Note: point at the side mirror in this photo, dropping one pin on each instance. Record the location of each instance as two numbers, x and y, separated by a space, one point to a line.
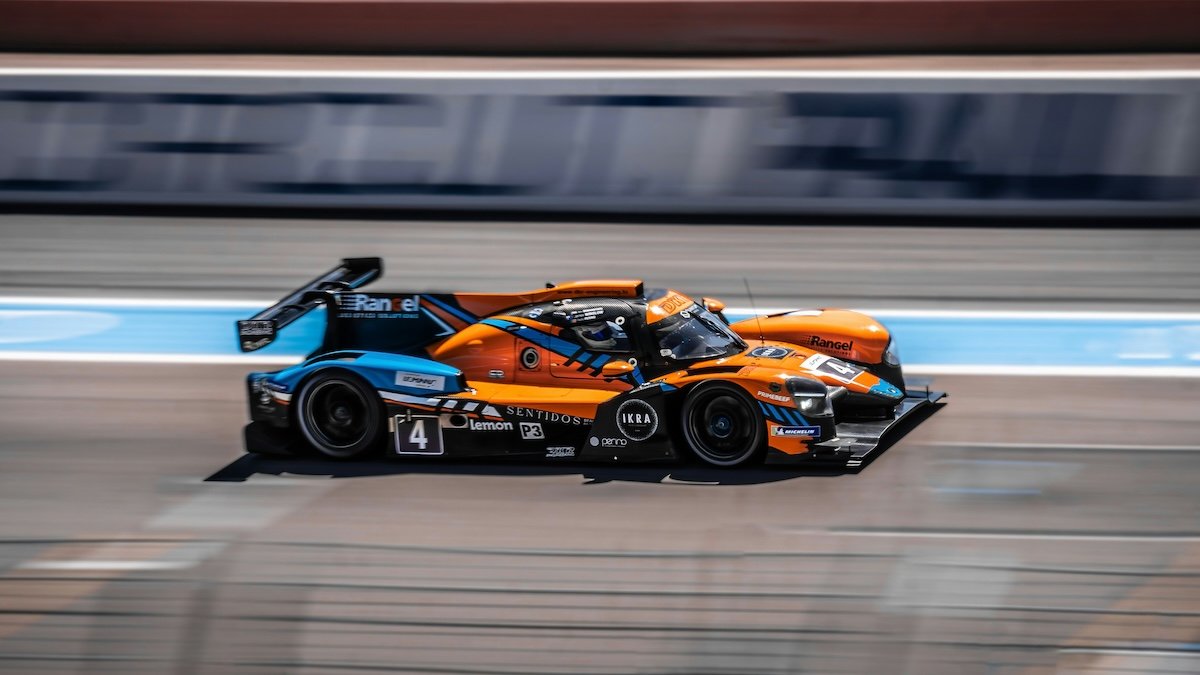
713 305
614 369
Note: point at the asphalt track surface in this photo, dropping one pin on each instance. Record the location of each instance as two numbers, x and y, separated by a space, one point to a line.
1032 525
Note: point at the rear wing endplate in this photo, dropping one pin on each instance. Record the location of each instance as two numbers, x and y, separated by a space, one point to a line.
260 330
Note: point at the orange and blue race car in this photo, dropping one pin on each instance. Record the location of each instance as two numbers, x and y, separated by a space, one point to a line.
582 371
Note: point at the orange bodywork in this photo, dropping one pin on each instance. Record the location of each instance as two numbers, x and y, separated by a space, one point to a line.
845 334
571 402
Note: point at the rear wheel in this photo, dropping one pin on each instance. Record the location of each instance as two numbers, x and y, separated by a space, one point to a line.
722 425
338 414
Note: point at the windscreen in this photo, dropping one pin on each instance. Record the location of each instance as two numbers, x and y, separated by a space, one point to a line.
695 333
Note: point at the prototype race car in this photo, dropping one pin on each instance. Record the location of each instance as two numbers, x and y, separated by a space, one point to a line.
582 371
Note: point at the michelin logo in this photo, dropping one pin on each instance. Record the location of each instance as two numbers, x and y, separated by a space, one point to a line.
419 381
814 432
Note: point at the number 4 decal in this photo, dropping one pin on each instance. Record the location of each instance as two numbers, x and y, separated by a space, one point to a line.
418 436
831 366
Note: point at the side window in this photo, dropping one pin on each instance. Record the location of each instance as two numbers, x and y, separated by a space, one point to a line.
601 336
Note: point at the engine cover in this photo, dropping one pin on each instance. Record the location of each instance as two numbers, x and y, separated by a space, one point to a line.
839 332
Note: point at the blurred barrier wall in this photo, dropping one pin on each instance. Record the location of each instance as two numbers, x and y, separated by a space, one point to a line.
1100 144
599 26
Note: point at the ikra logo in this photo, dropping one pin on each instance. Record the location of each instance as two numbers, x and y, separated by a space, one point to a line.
637 420
832 345
361 302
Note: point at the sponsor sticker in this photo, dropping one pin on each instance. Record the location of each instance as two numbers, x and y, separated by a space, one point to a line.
488 425
532 431
420 381
255 327
560 451
780 398
545 416
814 432
366 306
636 420
586 315
608 442
770 352
832 345
673 303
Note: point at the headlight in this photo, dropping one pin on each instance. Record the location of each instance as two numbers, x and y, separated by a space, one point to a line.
811 397
891 355
810 404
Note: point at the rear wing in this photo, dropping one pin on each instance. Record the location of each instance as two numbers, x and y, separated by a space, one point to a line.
260 330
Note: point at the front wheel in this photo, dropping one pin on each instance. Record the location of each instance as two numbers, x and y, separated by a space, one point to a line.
722 425
339 414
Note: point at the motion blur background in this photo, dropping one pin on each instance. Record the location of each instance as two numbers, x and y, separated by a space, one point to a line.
1012 185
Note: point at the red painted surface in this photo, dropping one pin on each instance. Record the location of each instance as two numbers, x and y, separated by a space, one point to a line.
599 26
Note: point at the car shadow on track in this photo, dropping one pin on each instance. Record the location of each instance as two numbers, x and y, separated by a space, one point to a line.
249 465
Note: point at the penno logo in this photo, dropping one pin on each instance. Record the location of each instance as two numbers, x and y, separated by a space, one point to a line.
637 420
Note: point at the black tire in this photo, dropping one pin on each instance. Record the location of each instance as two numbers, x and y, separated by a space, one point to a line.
722 425
339 414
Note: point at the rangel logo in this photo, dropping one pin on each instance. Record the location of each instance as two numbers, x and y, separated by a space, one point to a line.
818 341
361 302
637 420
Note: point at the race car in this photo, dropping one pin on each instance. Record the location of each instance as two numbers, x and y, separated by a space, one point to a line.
583 371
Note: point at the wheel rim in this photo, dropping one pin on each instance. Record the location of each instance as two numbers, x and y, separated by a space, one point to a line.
338 415
722 428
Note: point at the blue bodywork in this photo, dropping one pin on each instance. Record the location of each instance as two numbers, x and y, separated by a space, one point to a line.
384 372
887 390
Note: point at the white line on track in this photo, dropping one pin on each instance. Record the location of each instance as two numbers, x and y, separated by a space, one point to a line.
166 303
1065 446
578 75
106 565
183 359
1181 653
1007 536
1156 372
